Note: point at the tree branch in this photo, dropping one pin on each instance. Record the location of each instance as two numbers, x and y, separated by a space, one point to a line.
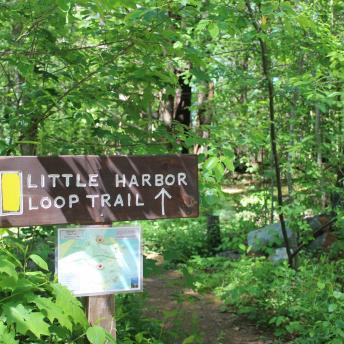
10 83
76 85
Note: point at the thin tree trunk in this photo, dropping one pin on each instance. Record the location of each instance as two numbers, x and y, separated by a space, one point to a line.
289 174
30 131
182 109
273 136
213 233
318 136
272 189
205 115
318 143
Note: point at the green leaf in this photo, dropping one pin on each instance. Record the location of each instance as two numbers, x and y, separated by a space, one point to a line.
242 247
8 282
213 30
338 295
70 305
53 311
26 320
189 340
332 307
12 257
228 163
321 285
39 261
202 24
96 335
63 4
8 268
6 335
139 337
211 197
37 325
24 68
340 324
110 339
178 45
211 163
24 285
219 172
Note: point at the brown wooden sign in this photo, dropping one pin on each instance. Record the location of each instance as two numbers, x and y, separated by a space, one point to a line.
93 189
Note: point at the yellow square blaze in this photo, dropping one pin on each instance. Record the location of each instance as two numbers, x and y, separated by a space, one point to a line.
11 192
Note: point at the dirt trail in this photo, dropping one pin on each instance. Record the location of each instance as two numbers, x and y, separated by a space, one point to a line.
186 313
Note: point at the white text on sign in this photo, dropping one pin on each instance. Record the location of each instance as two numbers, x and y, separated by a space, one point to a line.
104 200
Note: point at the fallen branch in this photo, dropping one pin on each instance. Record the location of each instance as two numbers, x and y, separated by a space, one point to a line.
319 232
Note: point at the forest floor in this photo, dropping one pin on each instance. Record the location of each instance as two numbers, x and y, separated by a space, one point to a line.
199 317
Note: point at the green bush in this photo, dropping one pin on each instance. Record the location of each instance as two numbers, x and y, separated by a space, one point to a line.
34 309
133 326
177 239
306 306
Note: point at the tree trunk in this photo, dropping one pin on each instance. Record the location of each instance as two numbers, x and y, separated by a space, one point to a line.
289 174
318 142
213 233
205 115
273 137
182 110
177 108
337 197
272 189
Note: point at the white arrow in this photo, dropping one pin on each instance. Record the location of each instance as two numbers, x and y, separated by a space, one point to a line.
162 194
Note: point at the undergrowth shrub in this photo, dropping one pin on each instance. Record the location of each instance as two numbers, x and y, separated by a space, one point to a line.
33 307
177 239
133 326
305 306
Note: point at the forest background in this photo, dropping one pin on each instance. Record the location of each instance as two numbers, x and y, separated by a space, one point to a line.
253 87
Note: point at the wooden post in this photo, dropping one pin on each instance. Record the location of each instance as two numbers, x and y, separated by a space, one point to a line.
100 309
213 233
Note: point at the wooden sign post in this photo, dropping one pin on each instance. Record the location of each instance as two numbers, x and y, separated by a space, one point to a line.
100 311
97 190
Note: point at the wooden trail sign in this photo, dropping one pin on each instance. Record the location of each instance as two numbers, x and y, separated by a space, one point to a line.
96 190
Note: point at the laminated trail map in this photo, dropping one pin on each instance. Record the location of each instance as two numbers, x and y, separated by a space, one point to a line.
96 261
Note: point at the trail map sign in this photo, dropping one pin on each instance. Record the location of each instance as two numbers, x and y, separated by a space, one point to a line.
93 189
98 261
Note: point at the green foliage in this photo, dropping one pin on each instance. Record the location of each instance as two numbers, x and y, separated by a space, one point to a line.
133 326
32 306
92 77
97 335
39 262
177 240
136 325
305 305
